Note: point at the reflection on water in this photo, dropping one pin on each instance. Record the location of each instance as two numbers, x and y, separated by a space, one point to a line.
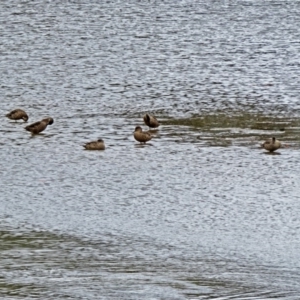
198 213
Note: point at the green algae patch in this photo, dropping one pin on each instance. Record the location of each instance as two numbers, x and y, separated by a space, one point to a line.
16 289
29 240
258 122
234 129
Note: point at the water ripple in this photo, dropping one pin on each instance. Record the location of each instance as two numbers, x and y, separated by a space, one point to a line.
198 213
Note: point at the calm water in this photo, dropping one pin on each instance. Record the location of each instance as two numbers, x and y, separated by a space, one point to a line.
196 213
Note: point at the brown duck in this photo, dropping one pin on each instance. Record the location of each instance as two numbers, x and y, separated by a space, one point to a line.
150 121
95 145
40 126
141 136
17 114
271 144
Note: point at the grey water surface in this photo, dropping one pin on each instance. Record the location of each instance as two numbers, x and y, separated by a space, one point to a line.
198 212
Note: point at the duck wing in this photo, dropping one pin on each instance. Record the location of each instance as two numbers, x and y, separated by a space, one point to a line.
16 114
95 145
36 127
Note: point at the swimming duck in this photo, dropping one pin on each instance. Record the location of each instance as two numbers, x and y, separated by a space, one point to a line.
17 114
95 145
141 136
271 144
150 121
40 126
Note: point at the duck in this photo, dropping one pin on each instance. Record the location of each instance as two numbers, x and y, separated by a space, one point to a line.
95 145
141 136
17 114
150 121
39 126
272 144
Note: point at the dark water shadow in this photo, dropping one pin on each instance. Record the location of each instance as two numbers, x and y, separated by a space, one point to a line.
17 122
43 135
142 145
152 131
272 153
93 150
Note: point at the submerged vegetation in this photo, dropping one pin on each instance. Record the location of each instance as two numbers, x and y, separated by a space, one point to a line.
259 122
224 129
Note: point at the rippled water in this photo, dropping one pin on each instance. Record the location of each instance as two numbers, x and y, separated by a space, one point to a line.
198 213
